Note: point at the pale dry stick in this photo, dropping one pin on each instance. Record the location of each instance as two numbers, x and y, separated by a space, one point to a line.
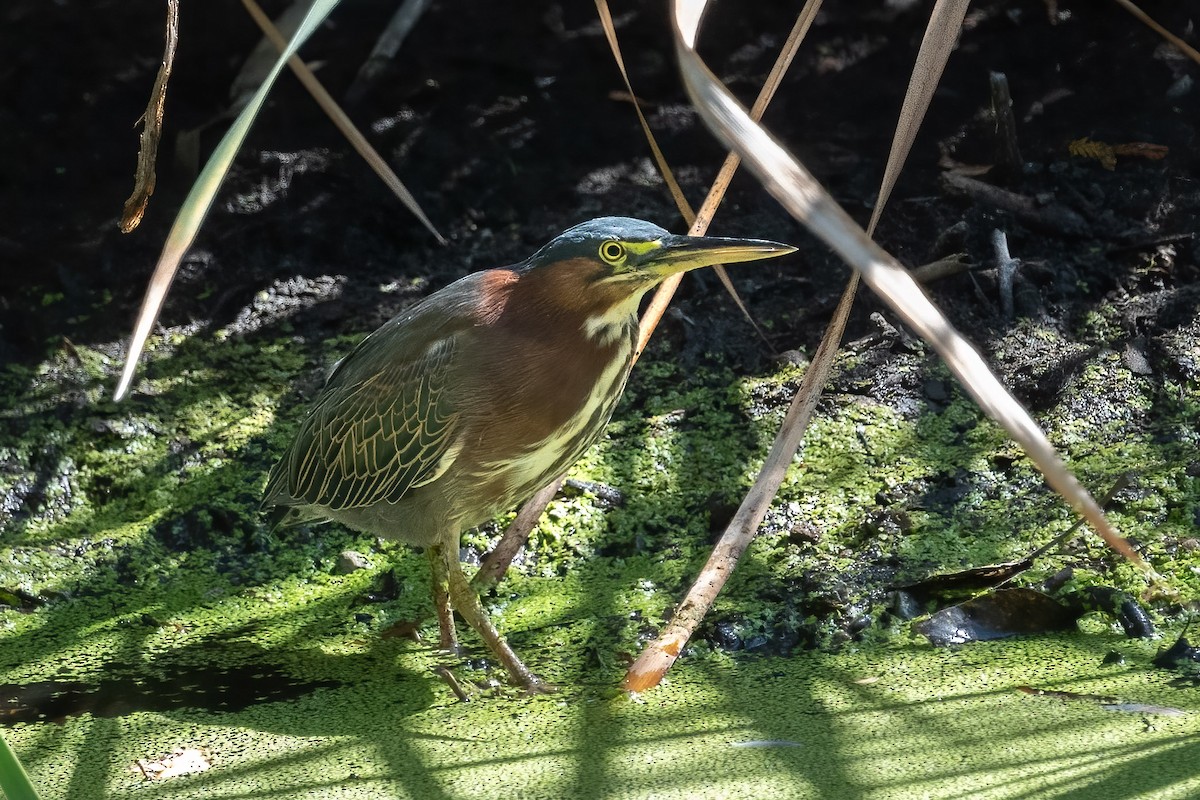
493 565
662 296
496 562
941 33
1123 480
1186 48
796 189
658 657
386 47
610 33
261 60
152 120
685 208
200 198
341 120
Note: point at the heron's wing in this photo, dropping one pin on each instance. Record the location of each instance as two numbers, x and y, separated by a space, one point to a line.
383 425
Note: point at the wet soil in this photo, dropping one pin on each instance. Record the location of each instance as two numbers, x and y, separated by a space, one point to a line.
505 126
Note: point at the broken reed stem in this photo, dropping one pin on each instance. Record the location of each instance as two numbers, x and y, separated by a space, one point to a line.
152 120
1009 165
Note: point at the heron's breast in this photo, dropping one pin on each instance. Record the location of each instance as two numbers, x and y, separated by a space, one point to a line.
540 458
541 423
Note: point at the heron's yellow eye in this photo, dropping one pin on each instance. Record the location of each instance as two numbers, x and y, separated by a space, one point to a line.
612 252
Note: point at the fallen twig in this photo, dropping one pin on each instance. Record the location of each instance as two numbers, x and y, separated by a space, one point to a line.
955 264
152 119
1055 218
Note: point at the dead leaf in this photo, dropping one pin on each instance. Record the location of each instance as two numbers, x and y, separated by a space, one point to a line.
1100 151
184 761
999 615
1107 153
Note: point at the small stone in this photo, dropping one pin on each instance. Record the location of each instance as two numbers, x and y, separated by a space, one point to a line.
726 636
936 390
351 561
804 533
1136 360
791 358
905 606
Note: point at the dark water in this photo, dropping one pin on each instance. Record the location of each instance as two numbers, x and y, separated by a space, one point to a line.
203 688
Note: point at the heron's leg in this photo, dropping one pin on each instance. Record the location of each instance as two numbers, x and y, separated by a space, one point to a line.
447 635
466 602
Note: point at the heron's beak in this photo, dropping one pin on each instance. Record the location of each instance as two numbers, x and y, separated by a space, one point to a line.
682 253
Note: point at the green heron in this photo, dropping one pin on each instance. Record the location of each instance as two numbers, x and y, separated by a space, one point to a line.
482 393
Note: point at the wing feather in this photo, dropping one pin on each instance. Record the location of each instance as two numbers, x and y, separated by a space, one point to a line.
381 427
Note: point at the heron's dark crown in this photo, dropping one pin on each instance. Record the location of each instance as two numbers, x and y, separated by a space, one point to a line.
583 240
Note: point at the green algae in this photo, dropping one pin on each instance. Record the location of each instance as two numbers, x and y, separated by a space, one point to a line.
896 722
149 554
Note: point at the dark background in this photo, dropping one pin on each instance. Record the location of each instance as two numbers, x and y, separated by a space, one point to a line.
500 119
